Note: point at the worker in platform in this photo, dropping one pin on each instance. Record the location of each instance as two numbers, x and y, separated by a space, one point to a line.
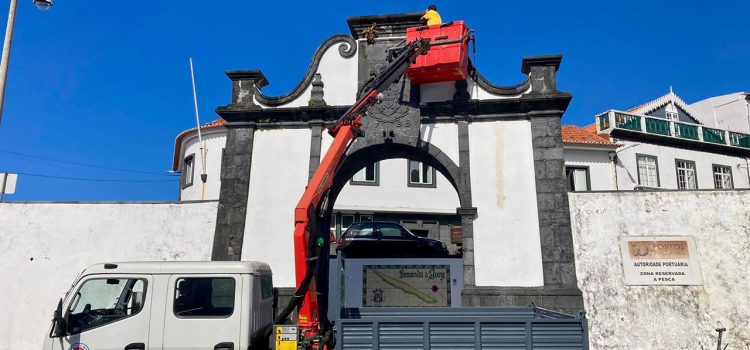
431 16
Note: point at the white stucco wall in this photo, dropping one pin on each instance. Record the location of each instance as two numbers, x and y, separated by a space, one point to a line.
601 174
443 91
627 169
443 136
393 193
664 317
477 93
339 76
278 177
46 245
506 232
215 140
726 112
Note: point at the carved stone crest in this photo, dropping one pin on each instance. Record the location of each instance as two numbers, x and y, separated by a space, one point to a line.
392 110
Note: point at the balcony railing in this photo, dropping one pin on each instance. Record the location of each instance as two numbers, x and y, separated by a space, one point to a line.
739 140
658 126
686 131
606 122
714 136
627 121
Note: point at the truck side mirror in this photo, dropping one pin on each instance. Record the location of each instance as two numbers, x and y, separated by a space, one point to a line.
59 324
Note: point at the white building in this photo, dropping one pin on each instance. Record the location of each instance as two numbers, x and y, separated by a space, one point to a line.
730 112
664 145
589 159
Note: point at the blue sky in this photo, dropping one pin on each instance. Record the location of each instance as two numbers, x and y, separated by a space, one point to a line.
97 86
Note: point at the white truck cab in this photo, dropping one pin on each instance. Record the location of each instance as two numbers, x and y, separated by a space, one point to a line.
166 306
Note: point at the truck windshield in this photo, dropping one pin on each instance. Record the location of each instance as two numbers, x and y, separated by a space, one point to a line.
102 301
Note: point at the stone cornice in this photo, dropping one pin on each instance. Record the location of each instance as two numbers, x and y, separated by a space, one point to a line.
527 106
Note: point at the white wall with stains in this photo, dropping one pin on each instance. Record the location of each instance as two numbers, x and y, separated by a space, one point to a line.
278 177
664 317
46 245
507 248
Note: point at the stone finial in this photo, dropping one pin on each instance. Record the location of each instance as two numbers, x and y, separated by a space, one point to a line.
542 72
245 84
316 96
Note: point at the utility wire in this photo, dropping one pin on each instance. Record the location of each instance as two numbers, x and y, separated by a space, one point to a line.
82 164
91 179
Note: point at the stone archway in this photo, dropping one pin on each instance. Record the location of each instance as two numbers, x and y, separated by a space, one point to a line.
364 153
424 152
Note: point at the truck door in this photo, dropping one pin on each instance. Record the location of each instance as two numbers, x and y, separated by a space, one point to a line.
203 312
108 313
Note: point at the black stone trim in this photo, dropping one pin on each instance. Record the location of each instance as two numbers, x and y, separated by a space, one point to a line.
542 61
347 48
486 85
281 115
468 213
526 106
555 232
316 135
233 195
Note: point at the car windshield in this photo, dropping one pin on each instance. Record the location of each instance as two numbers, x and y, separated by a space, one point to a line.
364 229
390 230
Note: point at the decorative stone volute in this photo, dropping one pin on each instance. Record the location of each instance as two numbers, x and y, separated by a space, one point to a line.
542 72
245 84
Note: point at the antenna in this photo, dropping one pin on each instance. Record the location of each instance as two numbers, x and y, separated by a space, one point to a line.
204 176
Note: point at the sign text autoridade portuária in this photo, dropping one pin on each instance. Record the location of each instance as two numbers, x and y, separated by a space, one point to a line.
660 261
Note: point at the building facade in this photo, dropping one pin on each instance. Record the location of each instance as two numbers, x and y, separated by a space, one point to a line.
730 112
660 145
476 165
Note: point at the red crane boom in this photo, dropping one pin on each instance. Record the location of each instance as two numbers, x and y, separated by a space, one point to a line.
310 234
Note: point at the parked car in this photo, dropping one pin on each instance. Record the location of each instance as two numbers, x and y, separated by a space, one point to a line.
387 240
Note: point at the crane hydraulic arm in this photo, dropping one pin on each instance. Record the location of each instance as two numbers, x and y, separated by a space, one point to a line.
311 236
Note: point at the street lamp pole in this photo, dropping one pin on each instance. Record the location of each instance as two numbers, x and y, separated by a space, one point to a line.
6 53
42 5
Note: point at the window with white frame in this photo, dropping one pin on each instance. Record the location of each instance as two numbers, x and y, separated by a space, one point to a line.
421 174
686 179
673 116
648 170
577 178
722 176
367 176
188 170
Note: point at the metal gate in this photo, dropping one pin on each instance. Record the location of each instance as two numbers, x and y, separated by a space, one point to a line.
461 328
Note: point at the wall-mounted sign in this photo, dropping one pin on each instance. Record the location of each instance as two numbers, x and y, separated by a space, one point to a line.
406 285
660 261
457 235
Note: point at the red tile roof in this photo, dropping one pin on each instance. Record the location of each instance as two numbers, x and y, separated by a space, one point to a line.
178 141
590 128
572 134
